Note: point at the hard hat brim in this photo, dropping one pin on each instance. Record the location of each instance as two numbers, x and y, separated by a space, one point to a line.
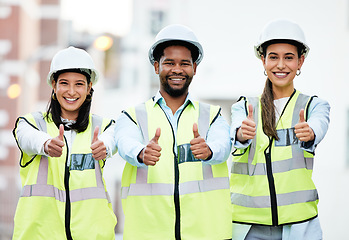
258 52
156 44
94 76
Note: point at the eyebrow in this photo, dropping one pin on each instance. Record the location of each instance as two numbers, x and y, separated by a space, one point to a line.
172 60
289 53
79 80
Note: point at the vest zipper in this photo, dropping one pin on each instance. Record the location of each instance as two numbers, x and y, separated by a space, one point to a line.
176 183
67 193
272 191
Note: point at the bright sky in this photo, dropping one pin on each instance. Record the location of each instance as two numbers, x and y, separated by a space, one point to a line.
99 16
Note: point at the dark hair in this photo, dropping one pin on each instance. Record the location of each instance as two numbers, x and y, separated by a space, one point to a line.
159 50
54 108
268 110
267 98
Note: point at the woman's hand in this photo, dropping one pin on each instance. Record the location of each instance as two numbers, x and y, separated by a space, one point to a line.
248 127
54 146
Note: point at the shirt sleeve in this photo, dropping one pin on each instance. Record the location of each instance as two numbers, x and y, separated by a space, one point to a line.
30 140
128 140
238 114
218 141
107 137
318 120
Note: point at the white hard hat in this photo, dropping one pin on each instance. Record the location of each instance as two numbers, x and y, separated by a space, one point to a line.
72 58
281 29
176 32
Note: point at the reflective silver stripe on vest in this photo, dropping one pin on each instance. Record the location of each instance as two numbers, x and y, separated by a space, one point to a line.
282 199
296 162
142 120
167 189
41 188
96 121
278 166
142 188
147 189
76 195
43 167
204 125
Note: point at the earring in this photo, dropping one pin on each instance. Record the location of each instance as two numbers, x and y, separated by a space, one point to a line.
265 73
89 97
298 72
54 96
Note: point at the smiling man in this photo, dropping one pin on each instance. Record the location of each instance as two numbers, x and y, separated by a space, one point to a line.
175 183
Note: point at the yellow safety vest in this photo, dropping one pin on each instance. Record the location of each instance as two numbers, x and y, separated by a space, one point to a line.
271 181
180 197
60 202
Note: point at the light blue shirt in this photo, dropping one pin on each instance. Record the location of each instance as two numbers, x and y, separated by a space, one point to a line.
129 140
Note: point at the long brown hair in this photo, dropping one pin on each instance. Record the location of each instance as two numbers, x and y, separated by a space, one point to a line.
268 110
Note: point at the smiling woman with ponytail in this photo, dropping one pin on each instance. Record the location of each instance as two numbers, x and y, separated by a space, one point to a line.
275 136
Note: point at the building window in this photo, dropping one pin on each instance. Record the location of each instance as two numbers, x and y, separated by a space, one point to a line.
156 21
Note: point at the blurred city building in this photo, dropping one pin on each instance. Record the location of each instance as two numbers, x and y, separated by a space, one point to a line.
29 34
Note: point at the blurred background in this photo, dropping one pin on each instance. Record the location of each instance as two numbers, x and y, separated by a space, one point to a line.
118 34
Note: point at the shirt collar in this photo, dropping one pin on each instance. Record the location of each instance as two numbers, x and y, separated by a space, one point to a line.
158 98
67 123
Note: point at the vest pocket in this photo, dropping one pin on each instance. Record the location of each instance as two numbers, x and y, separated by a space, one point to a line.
185 154
287 137
82 162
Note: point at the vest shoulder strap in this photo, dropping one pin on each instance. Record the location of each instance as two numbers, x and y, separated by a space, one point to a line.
40 121
306 110
206 118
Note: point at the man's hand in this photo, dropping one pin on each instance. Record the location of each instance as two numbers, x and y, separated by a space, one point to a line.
248 127
151 153
303 131
198 146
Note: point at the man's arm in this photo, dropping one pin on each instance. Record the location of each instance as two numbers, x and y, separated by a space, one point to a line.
128 140
218 141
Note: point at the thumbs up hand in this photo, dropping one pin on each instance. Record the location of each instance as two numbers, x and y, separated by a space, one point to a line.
99 150
248 127
303 131
151 153
54 146
198 146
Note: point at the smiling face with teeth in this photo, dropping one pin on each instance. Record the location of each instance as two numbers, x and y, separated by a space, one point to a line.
71 90
281 63
176 70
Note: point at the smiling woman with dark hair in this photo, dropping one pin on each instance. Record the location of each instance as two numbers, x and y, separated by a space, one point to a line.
275 136
63 152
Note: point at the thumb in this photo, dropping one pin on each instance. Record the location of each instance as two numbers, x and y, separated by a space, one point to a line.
157 135
61 132
301 115
250 112
95 134
196 131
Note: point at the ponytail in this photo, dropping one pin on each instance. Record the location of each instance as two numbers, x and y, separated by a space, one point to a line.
268 110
